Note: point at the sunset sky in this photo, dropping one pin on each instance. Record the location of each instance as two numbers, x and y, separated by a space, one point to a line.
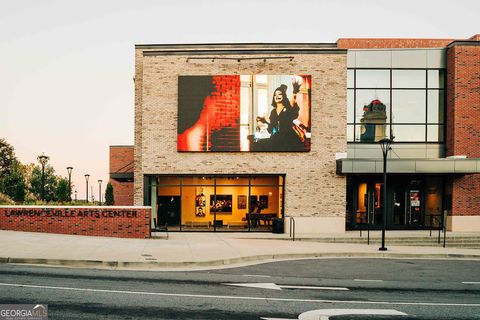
66 67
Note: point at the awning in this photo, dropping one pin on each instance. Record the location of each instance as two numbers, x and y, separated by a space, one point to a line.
122 176
444 165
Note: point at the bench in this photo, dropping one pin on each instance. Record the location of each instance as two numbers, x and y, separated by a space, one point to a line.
237 224
198 224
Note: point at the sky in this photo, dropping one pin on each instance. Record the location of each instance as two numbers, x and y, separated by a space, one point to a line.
66 67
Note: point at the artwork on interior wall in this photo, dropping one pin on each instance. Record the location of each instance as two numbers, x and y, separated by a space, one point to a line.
222 203
200 212
200 199
218 113
264 202
242 202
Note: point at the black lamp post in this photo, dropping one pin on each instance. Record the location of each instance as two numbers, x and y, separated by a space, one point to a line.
43 159
69 170
86 180
100 192
385 145
75 195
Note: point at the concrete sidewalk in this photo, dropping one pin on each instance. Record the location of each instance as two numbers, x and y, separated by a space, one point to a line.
193 251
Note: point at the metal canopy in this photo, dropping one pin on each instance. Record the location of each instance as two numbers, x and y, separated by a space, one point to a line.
444 165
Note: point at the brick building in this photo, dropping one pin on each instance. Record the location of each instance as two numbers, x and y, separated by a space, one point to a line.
210 153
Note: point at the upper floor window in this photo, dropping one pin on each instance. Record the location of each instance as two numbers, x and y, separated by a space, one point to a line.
408 104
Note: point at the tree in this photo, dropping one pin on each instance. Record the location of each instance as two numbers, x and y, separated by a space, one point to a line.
7 157
12 180
62 193
109 198
51 182
13 183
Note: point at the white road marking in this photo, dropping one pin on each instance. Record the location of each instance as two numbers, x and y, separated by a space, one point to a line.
368 280
315 288
263 285
273 286
325 314
256 275
470 282
266 299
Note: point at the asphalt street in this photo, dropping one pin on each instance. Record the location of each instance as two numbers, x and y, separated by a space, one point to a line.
301 289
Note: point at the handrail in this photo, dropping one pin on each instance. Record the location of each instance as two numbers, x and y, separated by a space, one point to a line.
441 228
292 225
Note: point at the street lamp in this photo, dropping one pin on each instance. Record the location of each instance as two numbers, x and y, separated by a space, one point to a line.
69 170
100 192
86 180
43 159
75 195
385 145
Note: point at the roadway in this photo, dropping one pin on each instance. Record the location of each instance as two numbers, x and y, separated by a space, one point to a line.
401 289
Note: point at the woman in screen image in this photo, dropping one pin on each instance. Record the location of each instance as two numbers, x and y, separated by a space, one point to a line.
285 135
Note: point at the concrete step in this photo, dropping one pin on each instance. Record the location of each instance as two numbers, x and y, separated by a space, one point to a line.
458 242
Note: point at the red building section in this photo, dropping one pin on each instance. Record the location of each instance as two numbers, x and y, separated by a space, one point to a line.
121 174
463 120
371 43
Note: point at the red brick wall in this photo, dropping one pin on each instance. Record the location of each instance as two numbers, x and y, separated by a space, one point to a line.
121 161
367 43
120 158
120 222
463 122
122 193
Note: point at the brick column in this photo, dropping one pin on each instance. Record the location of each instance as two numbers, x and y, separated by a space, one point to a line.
463 124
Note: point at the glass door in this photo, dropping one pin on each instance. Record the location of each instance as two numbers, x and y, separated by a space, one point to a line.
369 204
407 204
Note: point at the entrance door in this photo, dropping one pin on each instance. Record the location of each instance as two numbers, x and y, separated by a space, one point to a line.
407 204
169 211
369 204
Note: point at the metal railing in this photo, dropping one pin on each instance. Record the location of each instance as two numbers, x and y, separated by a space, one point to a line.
158 228
292 227
442 227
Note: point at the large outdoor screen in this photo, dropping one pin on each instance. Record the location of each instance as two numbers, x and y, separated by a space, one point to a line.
244 113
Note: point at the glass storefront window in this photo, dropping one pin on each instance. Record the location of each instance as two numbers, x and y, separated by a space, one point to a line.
206 180
403 96
409 133
408 106
408 78
372 78
350 106
218 202
168 180
365 97
435 133
436 79
264 180
232 180
435 105
371 132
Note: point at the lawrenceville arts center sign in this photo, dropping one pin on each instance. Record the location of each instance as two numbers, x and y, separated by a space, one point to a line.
122 222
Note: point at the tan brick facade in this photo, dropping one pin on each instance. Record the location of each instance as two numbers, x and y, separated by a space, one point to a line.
312 187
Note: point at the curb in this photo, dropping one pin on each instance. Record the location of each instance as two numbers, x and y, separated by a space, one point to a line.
225 263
